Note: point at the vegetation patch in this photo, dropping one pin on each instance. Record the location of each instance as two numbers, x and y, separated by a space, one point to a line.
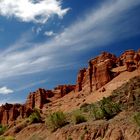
78 117
69 138
7 138
35 117
56 120
128 95
109 108
2 129
137 118
104 109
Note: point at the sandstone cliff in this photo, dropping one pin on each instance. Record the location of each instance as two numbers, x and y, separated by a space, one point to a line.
10 112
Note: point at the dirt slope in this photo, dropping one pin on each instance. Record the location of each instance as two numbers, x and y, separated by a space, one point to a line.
75 100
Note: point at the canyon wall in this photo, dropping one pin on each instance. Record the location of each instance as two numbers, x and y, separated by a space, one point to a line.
98 72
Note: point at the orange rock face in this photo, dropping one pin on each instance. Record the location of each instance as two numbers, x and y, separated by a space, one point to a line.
130 58
10 112
98 72
80 79
64 89
40 97
36 99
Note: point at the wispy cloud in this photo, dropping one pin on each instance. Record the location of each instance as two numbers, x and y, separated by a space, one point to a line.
110 22
49 33
29 10
5 90
31 85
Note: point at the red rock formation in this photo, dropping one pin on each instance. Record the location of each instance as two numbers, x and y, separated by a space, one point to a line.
130 59
10 112
40 97
36 99
62 90
79 83
98 72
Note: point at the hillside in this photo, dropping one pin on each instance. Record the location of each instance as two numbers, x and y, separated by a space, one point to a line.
104 98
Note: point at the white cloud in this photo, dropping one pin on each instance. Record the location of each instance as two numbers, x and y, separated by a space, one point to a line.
49 33
5 90
111 22
31 85
29 10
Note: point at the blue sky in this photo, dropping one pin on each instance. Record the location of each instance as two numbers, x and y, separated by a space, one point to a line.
44 43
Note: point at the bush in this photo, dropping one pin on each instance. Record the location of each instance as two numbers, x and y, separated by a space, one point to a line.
105 109
35 117
2 129
109 108
97 112
7 138
137 118
56 120
69 138
85 107
2 138
78 117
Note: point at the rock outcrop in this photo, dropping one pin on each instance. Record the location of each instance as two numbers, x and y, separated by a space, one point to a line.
10 112
41 96
37 99
130 59
98 72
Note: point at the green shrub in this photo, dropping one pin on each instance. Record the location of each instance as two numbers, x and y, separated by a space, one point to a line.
35 117
2 129
109 108
104 109
137 118
85 107
97 112
78 117
69 138
2 138
9 138
56 120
